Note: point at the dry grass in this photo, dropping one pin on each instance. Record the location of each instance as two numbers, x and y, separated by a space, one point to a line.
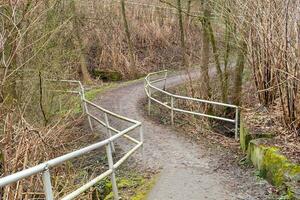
154 33
25 139
25 145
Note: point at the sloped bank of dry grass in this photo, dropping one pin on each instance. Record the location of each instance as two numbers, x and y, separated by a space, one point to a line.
25 145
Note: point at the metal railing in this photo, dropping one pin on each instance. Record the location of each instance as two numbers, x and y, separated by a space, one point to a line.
150 89
44 168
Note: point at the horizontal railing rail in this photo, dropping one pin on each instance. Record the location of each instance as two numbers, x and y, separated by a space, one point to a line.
150 89
44 168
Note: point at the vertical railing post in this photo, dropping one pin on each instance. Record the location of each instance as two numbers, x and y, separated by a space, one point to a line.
149 99
142 140
165 83
172 110
47 184
84 105
236 123
82 102
108 131
113 175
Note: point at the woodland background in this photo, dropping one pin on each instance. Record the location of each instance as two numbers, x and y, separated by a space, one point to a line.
251 44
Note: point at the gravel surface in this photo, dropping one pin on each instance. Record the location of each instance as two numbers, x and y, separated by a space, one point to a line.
188 170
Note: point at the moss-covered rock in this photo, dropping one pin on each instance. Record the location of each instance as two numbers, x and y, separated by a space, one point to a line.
275 167
256 153
271 164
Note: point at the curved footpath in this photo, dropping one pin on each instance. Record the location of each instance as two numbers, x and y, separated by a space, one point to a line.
187 170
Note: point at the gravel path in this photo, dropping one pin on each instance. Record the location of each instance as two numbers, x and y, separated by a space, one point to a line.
188 170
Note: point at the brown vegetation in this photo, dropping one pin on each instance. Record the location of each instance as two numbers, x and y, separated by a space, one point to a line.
85 39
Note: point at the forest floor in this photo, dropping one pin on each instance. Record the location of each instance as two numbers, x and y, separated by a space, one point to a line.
188 169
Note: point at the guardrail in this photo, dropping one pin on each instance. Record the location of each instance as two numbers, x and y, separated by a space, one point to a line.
45 167
150 88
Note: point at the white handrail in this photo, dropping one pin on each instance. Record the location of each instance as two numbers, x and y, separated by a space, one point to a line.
108 143
149 89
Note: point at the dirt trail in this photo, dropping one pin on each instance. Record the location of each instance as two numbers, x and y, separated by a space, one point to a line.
187 170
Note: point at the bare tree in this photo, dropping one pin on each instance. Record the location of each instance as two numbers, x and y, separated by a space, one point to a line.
269 30
238 81
77 26
205 51
133 69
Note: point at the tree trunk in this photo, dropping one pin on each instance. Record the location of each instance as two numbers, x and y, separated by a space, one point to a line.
182 35
189 2
133 71
239 74
226 57
185 62
86 78
205 60
217 61
205 54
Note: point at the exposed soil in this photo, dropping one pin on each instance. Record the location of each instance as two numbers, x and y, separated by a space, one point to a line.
188 169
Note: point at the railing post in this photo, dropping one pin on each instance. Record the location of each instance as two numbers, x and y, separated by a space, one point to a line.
165 84
236 123
149 99
113 175
47 184
84 105
172 110
108 131
142 140
82 102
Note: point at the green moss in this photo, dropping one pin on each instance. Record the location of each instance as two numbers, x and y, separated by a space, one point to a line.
295 171
123 183
245 137
143 191
272 165
276 166
110 196
133 186
256 153
283 170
